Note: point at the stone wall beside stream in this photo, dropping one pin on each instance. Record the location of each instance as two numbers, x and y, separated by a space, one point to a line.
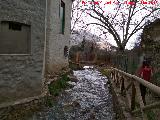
19 109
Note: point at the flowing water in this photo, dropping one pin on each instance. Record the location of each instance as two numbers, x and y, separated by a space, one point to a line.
89 99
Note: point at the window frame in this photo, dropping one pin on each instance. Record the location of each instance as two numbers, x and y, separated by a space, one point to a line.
29 40
66 51
62 20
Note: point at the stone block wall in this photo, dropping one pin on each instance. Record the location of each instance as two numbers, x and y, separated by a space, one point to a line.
21 75
57 41
21 110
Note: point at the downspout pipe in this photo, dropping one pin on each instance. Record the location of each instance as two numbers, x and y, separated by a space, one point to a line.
45 50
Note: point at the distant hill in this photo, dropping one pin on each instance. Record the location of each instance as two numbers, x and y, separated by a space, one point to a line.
78 36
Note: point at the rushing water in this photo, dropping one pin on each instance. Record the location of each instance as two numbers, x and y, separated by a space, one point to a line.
89 99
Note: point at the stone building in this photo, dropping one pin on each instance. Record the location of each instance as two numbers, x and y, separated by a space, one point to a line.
151 47
150 38
151 32
34 38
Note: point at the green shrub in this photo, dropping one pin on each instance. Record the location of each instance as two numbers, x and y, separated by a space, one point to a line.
151 115
106 72
156 78
49 102
56 87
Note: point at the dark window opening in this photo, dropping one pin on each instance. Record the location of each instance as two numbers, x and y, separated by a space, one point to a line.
66 52
15 26
62 17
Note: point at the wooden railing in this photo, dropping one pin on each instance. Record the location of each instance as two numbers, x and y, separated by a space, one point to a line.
128 86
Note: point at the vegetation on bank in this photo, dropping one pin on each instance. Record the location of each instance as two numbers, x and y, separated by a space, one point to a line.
59 85
106 72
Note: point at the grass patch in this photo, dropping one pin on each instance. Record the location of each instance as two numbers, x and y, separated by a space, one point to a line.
49 102
56 87
151 115
106 72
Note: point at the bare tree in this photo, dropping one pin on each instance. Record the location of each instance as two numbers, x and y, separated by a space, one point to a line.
76 16
123 19
79 26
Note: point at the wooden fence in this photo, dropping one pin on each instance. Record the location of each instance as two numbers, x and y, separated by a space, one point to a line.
128 86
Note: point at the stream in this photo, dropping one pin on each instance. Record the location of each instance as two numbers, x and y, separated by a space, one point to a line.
89 99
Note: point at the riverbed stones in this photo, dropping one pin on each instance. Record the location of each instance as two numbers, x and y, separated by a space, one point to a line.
89 99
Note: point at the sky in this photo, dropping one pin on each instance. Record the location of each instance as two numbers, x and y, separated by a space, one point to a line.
93 28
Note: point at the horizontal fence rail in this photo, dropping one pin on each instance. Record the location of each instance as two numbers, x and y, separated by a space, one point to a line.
129 86
147 84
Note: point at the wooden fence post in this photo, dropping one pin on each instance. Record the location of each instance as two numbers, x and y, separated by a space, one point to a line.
122 87
114 74
133 101
140 100
117 79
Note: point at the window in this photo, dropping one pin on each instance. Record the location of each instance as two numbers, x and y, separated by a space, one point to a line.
15 38
62 17
15 26
65 51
